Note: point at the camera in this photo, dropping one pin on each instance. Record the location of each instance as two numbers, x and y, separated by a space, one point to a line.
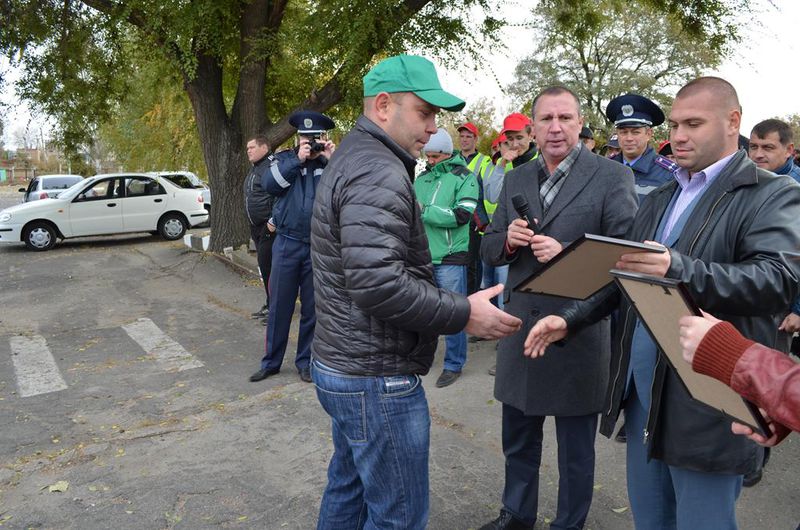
315 145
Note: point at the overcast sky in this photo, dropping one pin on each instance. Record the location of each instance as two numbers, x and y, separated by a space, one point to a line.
764 70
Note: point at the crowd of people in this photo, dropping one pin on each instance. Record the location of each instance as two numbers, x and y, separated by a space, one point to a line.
385 261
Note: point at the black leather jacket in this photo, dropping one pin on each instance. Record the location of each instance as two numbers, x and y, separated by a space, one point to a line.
258 202
379 311
739 256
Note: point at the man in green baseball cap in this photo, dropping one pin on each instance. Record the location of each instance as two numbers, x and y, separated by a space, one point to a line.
379 310
410 73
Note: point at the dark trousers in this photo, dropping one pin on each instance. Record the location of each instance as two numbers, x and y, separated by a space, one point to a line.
475 265
522 447
291 272
263 239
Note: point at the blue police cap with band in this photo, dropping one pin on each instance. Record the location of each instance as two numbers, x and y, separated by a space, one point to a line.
633 110
310 122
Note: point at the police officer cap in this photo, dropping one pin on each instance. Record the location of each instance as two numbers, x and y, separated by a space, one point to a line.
310 122
633 110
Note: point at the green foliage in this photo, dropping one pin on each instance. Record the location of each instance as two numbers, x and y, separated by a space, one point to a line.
154 129
606 48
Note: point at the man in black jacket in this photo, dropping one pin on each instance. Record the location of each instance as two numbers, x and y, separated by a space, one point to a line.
732 232
258 204
379 312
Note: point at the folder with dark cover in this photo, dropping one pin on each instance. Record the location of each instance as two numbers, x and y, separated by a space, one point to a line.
581 268
660 303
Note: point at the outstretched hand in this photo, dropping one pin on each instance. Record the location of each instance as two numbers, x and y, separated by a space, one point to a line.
548 330
486 320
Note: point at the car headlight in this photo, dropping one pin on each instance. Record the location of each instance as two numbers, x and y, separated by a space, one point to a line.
4 217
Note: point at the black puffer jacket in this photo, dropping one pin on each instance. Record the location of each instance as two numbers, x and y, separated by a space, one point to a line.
378 309
739 256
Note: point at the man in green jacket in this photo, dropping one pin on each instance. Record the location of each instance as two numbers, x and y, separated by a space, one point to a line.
448 194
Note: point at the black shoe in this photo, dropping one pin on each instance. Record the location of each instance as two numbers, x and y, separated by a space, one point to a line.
506 521
492 370
261 313
622 436
753 478
263 374
305 375
447 378
473 339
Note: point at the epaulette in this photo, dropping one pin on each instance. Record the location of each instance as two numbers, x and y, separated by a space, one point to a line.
666 163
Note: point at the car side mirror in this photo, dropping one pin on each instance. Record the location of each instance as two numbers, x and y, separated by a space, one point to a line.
22 190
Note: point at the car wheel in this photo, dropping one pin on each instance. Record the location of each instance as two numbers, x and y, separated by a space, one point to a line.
172 226
40 236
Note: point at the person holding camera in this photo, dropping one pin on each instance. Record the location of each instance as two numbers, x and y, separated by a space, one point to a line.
292 178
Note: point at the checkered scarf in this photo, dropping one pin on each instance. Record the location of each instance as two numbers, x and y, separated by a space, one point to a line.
550 185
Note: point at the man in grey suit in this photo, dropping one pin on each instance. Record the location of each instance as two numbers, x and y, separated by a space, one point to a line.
570 191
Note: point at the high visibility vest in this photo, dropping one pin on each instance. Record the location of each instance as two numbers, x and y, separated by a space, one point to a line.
478 164
492 206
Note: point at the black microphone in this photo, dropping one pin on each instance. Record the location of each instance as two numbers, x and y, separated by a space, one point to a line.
521 206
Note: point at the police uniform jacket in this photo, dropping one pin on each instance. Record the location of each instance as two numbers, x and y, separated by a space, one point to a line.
294 184
258 202
737 255
650 171
379 311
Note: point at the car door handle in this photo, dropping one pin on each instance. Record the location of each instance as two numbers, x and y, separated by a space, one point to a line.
111 204
157 200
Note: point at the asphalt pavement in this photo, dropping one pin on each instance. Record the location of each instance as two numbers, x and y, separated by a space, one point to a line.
123 381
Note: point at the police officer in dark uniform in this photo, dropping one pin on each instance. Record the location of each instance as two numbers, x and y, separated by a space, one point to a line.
292 177
258 204
634 116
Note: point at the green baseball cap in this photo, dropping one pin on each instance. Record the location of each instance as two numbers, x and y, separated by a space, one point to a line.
410 73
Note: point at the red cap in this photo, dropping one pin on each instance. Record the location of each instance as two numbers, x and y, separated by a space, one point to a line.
470 127
497 141
515 122
662 145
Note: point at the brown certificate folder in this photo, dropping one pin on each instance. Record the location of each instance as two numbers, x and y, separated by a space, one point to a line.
660 303
581 268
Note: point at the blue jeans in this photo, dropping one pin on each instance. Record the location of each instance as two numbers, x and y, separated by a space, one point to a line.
492 276
453 278
378 474
669 497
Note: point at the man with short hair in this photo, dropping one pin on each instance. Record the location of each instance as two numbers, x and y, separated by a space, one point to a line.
570 191
447 193
379 310
731 232
258 203
772 148
634 117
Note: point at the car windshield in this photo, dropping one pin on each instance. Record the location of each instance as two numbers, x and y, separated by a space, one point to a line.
73 190
59 183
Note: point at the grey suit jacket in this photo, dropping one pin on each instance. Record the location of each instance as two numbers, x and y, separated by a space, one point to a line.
597 197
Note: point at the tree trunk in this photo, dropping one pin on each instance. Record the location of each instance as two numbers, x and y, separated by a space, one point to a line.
224 154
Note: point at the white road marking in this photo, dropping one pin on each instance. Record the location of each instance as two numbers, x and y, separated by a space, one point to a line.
36 369
168 354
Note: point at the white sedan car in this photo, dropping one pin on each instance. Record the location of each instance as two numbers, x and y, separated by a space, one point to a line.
105 204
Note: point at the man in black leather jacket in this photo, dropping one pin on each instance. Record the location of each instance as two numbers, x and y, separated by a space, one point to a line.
258 204
733 232
379 311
